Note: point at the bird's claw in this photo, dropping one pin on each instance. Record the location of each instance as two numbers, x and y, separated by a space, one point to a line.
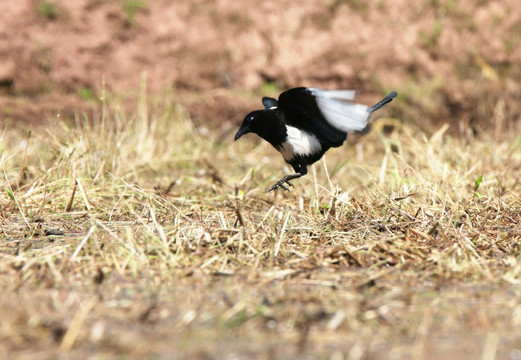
280 184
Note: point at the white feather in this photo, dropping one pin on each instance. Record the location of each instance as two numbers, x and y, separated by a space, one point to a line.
299 142
334 94
342 115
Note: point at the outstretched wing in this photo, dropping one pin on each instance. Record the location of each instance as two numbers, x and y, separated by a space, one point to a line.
325 113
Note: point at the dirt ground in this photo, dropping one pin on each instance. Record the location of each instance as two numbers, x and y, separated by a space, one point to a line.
451 61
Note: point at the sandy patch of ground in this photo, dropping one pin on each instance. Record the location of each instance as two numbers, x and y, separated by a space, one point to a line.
454 61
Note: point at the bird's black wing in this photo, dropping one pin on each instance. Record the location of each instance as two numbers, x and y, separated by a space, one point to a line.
323 113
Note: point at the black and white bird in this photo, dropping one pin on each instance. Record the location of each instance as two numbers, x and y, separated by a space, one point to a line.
305 122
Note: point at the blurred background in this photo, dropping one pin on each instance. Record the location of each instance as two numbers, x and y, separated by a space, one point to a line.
452 61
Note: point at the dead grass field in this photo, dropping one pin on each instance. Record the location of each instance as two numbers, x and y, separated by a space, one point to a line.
143 236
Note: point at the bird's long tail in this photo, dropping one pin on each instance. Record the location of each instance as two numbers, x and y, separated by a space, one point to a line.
382 102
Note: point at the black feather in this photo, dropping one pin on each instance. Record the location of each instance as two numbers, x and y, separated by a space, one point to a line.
382 102
269 102
298 108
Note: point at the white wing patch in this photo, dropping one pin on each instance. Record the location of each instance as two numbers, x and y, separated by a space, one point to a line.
334 94
299 142
342 115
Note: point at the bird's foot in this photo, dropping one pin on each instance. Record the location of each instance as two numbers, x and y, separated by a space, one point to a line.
281 183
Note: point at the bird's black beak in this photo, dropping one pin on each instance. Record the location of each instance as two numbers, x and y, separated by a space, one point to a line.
241 132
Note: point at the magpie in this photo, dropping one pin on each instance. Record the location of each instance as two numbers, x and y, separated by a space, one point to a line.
304 123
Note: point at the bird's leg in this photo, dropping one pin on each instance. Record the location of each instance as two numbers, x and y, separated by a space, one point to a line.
286 180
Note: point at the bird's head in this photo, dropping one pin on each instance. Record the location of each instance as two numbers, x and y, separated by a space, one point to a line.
251 123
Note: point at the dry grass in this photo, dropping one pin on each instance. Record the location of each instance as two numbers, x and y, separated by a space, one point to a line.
144 237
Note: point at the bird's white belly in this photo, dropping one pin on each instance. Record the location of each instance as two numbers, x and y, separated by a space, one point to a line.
299 142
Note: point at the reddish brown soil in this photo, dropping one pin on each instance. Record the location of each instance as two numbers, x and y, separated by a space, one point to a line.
453 61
